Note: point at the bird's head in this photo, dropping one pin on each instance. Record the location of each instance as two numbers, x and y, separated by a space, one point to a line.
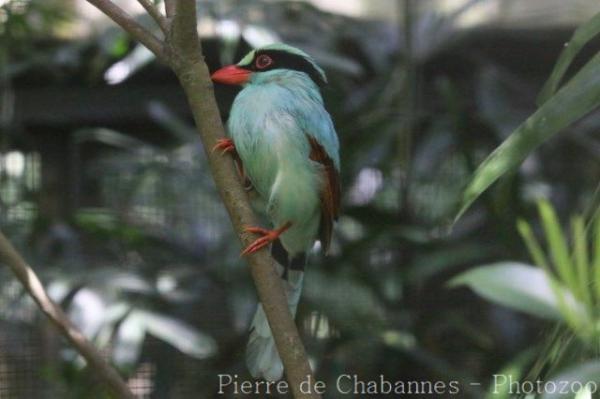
270 63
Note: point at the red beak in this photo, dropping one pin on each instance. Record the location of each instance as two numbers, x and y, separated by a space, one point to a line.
231 75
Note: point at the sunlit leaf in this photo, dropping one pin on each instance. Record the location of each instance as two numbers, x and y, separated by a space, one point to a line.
540 259
129 339
596 261
533 246
515 285
179 334
581 256
557 245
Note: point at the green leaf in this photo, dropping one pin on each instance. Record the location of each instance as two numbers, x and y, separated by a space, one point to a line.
581 259
557 245
596 263
120 45
577 98
575 377
517 286
580 38
539 258
533 246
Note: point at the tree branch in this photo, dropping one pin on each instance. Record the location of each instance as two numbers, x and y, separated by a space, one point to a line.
131 26
186 60
195 79
169 8
183 22
156 15
11 258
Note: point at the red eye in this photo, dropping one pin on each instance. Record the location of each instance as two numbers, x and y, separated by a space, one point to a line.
263 61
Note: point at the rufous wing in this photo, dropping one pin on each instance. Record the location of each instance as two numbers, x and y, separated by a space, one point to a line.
330 191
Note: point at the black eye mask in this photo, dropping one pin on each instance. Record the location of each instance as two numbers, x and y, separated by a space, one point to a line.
284 60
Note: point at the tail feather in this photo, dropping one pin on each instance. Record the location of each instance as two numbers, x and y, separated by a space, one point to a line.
262 357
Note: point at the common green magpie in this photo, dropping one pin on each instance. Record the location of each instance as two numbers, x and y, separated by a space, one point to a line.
285 144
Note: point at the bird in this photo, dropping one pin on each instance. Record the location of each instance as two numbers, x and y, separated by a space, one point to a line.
284 143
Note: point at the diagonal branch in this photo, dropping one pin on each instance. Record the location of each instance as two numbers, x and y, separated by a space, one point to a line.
195 80
156 15
186 60
132 27
11 258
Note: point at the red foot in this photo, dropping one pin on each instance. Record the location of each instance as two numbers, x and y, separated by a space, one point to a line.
225 145
268 236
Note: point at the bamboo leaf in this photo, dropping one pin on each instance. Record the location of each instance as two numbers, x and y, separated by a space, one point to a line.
539 258
577 98
533 246
580 38
581 259
557 246
596 263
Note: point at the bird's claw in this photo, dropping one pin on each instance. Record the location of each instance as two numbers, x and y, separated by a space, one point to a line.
268 236
257 245
225 145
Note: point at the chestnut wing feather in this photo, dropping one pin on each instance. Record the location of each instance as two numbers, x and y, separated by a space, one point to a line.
330 192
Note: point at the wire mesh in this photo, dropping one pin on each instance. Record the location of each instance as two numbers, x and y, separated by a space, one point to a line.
34 360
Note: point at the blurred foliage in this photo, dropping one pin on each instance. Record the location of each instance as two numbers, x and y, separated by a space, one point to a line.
578 97
563 286
145 261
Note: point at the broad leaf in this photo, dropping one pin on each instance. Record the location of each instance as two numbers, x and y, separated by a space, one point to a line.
518 286
128 341
179 334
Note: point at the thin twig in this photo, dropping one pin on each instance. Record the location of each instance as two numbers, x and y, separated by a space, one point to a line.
131 26
11 258
156 15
